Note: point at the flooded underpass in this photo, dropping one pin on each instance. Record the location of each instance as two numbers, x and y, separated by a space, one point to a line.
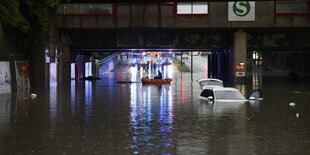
107 117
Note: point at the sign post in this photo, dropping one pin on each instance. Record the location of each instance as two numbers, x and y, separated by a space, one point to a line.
240 70
241 11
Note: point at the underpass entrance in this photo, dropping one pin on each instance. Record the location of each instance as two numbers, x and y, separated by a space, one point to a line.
208 63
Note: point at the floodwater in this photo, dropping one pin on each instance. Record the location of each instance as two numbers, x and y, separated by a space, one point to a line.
105 117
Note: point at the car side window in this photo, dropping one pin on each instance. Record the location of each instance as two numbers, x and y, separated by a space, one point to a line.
204 93
210 93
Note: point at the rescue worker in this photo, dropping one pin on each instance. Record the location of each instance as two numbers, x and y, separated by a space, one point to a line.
159 76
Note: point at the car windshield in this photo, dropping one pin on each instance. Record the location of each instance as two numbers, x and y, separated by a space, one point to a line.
229 95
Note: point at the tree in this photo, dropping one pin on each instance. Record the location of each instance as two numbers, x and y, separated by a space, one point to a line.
10 15
29 18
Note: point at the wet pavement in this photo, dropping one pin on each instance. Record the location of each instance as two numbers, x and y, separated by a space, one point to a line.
104 117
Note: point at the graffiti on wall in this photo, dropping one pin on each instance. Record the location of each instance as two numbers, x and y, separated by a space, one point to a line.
5 77
22 76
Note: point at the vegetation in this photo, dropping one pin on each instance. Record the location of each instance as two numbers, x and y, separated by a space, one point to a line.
182 68
29 19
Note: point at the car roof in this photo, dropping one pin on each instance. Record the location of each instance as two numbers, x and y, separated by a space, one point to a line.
210 79
210 82
217 88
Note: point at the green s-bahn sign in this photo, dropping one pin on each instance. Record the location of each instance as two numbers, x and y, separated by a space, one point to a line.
241 8
241 11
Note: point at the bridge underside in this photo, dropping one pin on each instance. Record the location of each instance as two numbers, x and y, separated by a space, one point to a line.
229 46
257 39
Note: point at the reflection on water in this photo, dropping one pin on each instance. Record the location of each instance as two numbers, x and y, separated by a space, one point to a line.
5 113
182 89
257 80
88 101
104 117
72 98
241 88
251 84
168 71
227 108
151 115
151 119
53 101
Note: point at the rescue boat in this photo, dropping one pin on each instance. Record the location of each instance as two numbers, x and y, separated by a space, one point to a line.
145 80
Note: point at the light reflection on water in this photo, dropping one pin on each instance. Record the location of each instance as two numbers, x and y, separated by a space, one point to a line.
72 98
166 116
53 103
257 80
103 117
151 119
88 101
5 112
151 116
182 89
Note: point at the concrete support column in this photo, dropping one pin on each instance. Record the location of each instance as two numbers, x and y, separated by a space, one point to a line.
4 54
240 48
64 60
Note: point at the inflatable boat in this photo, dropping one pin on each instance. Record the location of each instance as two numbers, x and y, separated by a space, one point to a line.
145 80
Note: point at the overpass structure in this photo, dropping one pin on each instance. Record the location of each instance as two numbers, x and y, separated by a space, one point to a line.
234 28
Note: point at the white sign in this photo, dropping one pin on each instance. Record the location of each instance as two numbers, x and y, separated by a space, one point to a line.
5 77
47 57
240 70
241 11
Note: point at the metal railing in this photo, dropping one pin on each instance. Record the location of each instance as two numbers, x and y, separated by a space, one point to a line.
106 59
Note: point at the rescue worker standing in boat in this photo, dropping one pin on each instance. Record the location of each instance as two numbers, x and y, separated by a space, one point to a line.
159 76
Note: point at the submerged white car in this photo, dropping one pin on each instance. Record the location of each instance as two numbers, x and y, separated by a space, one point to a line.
213 89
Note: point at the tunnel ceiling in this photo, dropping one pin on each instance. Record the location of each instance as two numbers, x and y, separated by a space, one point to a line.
148 38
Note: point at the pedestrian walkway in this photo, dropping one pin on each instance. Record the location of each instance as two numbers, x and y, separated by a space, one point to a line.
199 63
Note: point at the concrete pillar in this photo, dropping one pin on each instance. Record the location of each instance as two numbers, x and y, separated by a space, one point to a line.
39 69
64 60
240 48
3 49
7 46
